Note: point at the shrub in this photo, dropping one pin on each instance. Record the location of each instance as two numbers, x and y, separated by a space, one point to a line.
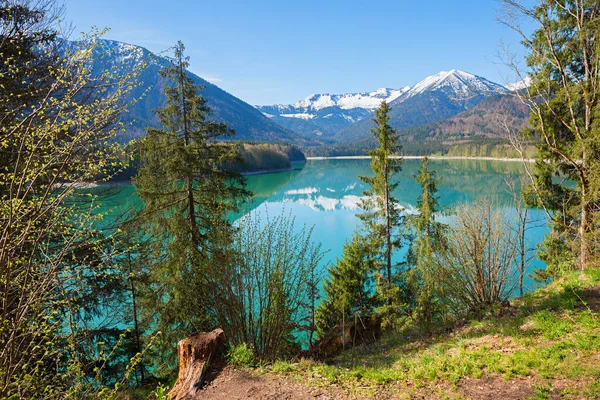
264 296
479 267
240 356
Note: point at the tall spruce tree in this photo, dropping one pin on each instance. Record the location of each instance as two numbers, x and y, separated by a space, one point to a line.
188 197
381 214
564 65
429 237
347 289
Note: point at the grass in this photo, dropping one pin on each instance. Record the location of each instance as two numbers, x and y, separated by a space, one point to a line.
552 336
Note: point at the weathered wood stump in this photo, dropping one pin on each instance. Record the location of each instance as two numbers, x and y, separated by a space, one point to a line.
196 354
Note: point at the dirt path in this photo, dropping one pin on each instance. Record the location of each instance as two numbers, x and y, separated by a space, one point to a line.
236 384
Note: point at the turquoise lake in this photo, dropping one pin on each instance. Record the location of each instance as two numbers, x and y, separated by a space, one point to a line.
324 194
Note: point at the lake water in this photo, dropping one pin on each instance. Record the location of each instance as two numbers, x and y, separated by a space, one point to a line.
324 194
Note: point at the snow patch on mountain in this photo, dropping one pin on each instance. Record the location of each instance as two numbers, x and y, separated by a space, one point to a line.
518 85
346 101
297 115
458 83
119 52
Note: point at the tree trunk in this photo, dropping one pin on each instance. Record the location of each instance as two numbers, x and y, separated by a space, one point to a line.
522 244
196 355
587 211
135 321
584 235
186 140
388 228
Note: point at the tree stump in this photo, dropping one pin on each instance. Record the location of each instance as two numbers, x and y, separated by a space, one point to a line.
196 353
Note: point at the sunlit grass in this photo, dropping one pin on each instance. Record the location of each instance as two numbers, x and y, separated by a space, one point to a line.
553 334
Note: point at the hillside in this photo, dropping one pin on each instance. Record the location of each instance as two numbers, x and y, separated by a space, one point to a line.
544 345
255 158
247 122
484 120
265 157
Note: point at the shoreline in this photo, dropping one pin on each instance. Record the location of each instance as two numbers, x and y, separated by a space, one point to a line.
272 171
506 159
266 171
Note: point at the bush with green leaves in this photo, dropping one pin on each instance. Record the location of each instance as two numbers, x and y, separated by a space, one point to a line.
265 294
240 356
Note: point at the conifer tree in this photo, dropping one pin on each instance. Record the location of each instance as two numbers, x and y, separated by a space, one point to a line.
429 237
347 289
564 64
381 211
188 197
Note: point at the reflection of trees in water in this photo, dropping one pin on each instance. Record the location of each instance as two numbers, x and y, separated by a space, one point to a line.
463 181
264 186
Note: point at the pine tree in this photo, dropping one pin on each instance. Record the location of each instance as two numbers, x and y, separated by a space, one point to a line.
188 198
347 290
564 65
429 237
381 211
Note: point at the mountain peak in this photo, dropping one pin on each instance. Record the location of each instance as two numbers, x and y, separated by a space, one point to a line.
457 81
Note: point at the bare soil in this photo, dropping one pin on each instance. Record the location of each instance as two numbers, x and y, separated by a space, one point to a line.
233 384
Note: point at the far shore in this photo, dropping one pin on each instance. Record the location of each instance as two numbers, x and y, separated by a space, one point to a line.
76 185
266 171
529 160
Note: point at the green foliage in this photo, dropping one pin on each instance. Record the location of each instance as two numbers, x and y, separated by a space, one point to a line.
281 367
56 268
429 236
266 297
257 157
394 312
348 290
161 392
188 199
240 356
381 214
564 62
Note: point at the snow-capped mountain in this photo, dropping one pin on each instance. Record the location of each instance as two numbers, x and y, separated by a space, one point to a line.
349 101
519 85
433 99
326 114
458 84
449 92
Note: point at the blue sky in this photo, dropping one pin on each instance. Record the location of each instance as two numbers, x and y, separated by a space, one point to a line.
267 52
